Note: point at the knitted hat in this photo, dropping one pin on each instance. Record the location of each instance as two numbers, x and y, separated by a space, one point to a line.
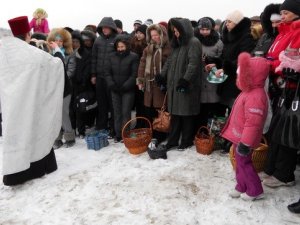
275 17
204 23
91 27
235 16
138 22
142 29
163 23
252 71
292 6
19 25
255 18
218 22
119 24
148 22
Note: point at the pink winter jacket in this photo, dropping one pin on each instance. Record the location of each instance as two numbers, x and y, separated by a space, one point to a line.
42 28
246 121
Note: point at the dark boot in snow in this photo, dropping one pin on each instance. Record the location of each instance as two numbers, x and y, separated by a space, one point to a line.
57 144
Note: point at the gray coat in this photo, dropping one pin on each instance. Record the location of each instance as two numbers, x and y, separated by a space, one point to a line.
184 62
209 90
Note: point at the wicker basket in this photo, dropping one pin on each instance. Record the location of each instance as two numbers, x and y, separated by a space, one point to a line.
259 156
137 140
204 141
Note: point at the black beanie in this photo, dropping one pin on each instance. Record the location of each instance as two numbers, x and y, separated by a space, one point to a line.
142 29
292 6
119 24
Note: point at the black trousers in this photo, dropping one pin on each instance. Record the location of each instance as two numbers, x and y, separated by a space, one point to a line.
84 120
183 126
104 101
281 162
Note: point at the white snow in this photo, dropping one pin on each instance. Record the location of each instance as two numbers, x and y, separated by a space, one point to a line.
111 186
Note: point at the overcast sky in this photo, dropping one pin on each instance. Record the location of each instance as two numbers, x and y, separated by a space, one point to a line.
77 14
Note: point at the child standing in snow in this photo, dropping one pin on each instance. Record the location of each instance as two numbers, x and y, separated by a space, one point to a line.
245 124
39 23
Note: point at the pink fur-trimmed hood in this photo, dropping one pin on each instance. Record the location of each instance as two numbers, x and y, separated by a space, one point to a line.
252 72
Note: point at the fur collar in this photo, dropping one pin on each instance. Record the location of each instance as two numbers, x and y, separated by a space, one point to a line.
210 40
237 32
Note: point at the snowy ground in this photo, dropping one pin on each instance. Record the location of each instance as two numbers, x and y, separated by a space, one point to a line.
111 186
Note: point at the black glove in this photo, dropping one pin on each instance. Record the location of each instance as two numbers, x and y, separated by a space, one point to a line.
291 74
243 149
160 80
182 85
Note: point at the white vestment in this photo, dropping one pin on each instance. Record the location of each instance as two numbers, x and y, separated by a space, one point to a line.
31 90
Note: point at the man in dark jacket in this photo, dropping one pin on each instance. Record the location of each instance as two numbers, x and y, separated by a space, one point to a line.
103 46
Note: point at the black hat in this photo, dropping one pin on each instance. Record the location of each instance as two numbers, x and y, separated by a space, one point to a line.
119 24
204 23
292 6
142 29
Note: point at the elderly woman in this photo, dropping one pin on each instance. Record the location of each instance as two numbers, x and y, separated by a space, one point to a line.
151 63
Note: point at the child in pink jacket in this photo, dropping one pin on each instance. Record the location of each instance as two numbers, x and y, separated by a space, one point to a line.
39 23
245 123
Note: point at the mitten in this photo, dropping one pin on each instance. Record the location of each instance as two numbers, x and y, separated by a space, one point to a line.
291 74
243 149
182 85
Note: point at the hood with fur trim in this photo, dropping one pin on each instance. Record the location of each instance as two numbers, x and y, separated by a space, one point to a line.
106 22
265 18
66 37
161 30
185 28
252 72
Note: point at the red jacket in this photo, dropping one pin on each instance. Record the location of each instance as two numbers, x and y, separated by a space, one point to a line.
246 121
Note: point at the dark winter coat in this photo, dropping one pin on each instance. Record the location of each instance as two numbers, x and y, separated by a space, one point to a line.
212 48
103 47
67 85
237 41
121 72
185 62
266 40
81 79
137 46
153 95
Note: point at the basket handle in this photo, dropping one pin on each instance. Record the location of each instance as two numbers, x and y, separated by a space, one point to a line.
136 118
264 140
205 127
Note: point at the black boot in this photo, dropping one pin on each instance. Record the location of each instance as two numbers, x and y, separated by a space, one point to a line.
295 207
226 147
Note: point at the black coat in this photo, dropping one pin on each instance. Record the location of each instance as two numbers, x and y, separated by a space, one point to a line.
103 47
235 42
81 79
121 71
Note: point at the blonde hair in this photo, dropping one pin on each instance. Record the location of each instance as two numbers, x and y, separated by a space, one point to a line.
256 31
39 14
66 38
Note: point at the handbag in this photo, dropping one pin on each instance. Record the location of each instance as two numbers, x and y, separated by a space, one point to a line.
162 122
290 130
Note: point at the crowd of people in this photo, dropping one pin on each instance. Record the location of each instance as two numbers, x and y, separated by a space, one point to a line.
108 72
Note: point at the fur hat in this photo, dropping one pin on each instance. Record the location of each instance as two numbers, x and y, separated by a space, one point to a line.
252 71
204 23
65 36
91 27
142 29
19 25
119 24
235 16
292 6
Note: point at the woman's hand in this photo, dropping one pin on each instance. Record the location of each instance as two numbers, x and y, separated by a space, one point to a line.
52 45
209 66
219 72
